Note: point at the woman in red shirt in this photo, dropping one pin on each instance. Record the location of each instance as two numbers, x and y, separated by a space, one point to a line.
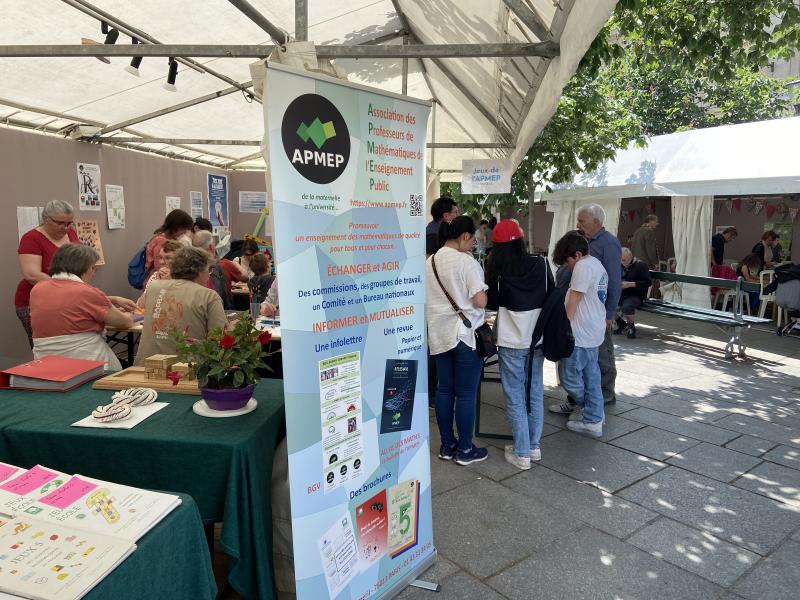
175 225
36 250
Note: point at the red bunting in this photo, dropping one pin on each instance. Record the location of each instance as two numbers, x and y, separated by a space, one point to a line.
631 215
770 210
737 204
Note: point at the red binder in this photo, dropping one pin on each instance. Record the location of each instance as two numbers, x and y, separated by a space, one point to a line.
51 374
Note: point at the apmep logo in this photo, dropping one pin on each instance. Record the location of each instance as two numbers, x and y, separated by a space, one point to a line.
319 150
318 132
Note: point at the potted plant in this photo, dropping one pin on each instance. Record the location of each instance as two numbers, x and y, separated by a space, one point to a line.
225 362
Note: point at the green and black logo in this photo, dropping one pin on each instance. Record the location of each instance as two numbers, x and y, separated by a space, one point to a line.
315 138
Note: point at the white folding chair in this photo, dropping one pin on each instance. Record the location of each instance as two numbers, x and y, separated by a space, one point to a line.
672 264
765 278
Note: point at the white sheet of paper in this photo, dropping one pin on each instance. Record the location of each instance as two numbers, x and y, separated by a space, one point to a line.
28 217
339 555
115 206
138 414
252 202
196 204
173 202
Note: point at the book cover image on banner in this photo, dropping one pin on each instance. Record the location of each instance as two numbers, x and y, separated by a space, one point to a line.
347 178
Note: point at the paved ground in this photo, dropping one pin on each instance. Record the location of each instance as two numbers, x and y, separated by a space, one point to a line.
692 493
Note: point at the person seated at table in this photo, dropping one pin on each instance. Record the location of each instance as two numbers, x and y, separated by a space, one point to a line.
166 253
635 282
261 280
68 315
223 271
749 268
183 303
249 250
765 249
269 307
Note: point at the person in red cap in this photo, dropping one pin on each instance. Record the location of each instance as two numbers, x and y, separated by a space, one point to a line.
518 284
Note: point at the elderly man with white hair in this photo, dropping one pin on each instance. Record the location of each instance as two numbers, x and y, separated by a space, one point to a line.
606 248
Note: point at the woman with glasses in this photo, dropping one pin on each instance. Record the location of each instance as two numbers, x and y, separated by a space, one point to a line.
68 315
36 250
182 303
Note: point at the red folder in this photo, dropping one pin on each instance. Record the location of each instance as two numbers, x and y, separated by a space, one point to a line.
51 374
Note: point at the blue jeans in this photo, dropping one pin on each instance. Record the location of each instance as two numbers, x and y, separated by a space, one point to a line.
580 377
526 428
459 371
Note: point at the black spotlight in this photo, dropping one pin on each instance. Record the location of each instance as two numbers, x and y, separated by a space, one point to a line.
172 76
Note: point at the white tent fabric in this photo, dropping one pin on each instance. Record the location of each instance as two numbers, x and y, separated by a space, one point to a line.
691 233
752 158
565 218
520 94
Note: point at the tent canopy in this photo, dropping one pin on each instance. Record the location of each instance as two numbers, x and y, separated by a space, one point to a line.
491 106
751 158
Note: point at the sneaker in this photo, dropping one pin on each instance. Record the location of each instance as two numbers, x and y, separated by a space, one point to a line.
591 429
448 453
621 323
521 462
631 332
564 408
576 414
474 455
536 454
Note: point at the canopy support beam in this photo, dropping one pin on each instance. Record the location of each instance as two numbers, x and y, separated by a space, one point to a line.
251 12
529 17
431 51
212 142
301 20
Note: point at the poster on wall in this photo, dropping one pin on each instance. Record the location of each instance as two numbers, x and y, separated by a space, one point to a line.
218 200
196 204
28 217
488 176
784 231
88 186
89 234
252 202
173 203
348 182
115 206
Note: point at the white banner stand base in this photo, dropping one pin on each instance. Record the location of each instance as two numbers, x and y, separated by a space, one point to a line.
426 585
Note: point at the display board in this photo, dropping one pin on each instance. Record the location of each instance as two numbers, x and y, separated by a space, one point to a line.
347 177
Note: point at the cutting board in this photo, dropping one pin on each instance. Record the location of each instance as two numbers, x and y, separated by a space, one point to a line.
134 377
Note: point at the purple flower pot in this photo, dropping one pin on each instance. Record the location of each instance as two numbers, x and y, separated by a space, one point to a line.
227 398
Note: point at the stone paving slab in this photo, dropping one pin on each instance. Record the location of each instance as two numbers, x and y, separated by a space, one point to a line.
735 515
592 505
697 408
681 425
774 481
438 572
655 443
784 455
696 551
484 527
730 388
619 407
446 476
616 426
754 446
596 463
589 564
459 586
777 577
763 429
715 462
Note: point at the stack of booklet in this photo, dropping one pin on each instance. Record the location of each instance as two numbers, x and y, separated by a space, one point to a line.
62 534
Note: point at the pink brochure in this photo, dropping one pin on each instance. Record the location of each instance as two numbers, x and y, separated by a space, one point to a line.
28 481
67 494
7 471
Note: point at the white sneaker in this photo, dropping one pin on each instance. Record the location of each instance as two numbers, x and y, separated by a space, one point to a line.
564 408
576 414
590 429
521 462
536 454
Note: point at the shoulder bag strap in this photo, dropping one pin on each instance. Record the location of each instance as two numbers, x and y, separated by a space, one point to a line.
459 312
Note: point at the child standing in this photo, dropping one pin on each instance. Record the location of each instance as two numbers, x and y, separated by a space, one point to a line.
580 373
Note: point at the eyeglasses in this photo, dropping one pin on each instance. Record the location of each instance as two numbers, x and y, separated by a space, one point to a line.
62 223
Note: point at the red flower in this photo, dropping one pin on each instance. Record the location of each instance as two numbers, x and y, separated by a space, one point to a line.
227 341
264 337
174 377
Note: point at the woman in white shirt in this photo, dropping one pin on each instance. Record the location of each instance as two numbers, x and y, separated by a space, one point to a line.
452 341
518 284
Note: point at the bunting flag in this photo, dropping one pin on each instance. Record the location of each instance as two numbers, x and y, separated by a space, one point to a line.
759 206
770 210
783 209
793 214
718 208
729 206
622 218
631 214
737 204
751 204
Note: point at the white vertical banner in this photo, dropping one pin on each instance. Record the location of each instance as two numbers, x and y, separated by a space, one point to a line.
347 176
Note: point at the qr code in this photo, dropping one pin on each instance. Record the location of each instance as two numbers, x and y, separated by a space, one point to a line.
415 205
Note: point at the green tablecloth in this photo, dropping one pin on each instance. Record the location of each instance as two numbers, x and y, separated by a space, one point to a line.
224 464
170 561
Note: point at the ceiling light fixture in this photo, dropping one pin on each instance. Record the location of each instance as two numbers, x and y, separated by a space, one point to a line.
172 75
133 68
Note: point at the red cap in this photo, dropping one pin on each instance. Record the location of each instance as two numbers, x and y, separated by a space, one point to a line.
506 231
